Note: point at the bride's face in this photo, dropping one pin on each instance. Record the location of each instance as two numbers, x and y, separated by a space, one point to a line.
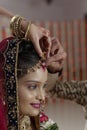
31 90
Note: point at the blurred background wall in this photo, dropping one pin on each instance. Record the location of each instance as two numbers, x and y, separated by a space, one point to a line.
40 10
68 115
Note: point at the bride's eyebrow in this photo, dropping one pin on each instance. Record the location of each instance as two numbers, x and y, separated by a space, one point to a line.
35 81
28 81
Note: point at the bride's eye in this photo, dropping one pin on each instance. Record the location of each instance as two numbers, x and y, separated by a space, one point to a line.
32 87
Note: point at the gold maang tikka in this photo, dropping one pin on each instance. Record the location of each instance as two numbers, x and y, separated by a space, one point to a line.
38 65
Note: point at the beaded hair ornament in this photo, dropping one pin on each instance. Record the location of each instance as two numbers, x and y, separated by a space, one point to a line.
32 69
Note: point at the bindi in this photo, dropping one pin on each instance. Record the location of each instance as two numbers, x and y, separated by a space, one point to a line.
43 65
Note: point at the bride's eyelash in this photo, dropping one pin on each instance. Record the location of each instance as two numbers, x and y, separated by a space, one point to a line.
34 86
45 85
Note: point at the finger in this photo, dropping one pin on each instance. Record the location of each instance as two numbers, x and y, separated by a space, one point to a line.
56 46
55 58
45 31
58 66
46 44
49 46
42 45
57 50
37 47
55 66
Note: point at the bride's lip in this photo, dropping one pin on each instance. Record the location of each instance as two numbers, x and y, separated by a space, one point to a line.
36 105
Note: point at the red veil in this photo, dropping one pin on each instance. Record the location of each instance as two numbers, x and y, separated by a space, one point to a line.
3 46
9 105
3 123
9 112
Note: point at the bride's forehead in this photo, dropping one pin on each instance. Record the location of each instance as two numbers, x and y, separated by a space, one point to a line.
38 75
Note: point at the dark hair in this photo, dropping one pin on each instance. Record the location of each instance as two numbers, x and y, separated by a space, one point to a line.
27 57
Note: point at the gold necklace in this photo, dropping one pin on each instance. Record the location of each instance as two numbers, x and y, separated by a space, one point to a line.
25 123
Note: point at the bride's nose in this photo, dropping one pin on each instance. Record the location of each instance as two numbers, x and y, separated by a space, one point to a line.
41 95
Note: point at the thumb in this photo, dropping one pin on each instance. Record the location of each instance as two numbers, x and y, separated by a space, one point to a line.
37 47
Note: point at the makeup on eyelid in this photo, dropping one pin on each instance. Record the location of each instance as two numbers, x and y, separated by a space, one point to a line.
37 84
